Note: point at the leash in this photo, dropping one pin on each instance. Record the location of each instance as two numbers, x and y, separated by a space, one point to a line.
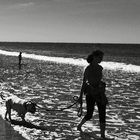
75 98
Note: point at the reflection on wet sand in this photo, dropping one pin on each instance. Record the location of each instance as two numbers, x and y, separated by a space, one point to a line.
53 86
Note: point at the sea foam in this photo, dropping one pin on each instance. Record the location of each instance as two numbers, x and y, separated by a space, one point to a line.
80 62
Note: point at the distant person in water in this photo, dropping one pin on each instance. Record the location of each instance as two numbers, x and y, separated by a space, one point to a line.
94 89
20 59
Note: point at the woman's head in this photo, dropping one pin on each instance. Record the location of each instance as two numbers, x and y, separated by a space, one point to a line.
97 56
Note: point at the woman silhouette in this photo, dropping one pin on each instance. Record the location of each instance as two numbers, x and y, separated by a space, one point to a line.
94 89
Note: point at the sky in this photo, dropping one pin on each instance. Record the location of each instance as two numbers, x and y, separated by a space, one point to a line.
84 21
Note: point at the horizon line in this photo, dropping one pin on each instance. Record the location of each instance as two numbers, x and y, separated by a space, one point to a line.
67 42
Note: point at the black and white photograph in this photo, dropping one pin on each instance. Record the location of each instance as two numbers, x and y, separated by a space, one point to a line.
69 69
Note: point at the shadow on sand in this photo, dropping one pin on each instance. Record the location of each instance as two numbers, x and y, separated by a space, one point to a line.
89 135
28 124
7 132
92 135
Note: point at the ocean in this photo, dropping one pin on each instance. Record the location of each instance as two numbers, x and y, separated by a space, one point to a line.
52 76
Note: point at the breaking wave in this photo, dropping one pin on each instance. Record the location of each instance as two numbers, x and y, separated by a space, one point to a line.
80 62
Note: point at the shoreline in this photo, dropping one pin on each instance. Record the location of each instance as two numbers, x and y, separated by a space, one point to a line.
109 65
130 55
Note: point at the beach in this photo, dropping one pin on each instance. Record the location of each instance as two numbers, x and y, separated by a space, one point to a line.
52 85
7 132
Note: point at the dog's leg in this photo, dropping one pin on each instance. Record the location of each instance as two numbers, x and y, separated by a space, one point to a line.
9 112
8 108
23 117
6 115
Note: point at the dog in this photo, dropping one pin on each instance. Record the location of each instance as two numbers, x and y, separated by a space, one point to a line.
21 106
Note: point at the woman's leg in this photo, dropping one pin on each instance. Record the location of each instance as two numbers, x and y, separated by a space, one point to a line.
81 123
102 118
90 102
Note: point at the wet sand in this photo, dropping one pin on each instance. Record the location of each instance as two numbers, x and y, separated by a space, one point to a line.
7 132
52 86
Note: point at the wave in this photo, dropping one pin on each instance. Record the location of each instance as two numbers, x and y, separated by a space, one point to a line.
80 62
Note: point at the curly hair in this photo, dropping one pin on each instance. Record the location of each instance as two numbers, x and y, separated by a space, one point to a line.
96 53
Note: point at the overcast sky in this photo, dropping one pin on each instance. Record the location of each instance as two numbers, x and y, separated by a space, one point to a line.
90 21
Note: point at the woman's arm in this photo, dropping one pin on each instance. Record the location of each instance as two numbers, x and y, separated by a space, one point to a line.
83 86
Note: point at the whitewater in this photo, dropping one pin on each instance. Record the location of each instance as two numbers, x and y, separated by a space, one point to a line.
80 62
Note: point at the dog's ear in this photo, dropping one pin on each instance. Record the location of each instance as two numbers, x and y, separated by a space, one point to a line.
32 102
35 104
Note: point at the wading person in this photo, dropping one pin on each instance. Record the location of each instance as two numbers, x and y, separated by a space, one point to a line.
94 90
19 58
